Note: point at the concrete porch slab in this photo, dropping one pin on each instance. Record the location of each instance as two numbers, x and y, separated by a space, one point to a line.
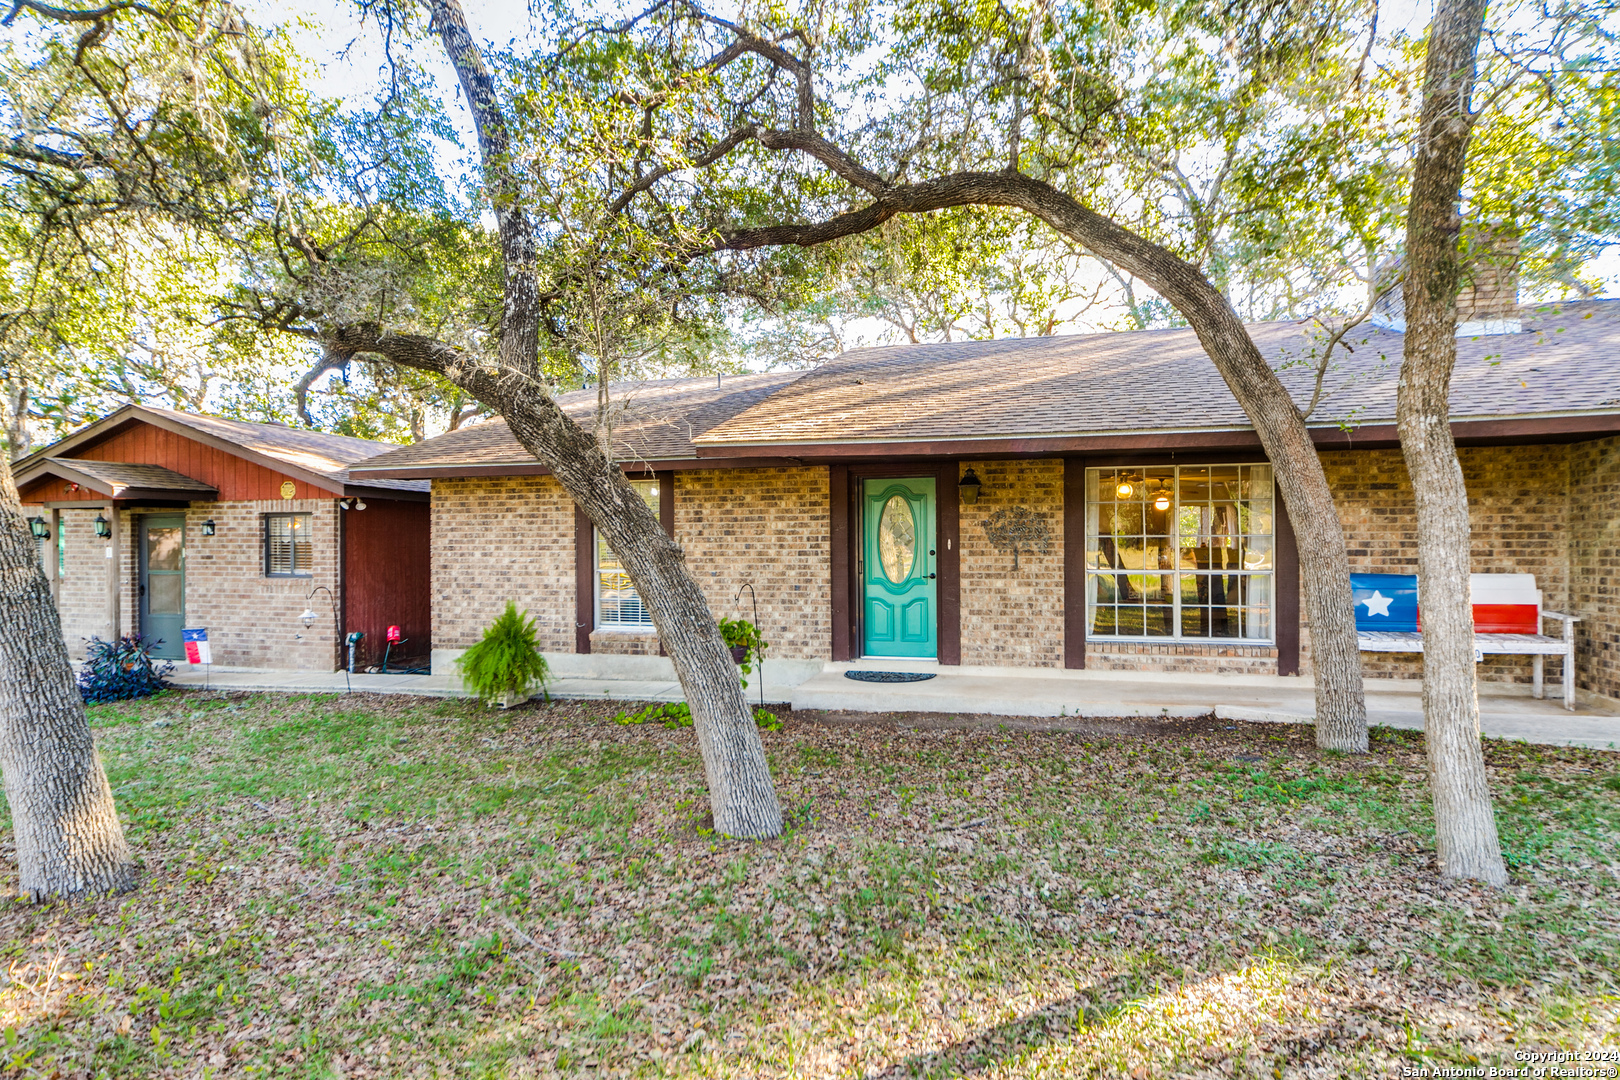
1261 698
998 692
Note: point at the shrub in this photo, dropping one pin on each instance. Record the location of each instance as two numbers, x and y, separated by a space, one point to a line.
121 669
678 714
507 660
741 632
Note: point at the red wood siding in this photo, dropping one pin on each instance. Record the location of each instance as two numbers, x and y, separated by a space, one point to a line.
237 479
386 575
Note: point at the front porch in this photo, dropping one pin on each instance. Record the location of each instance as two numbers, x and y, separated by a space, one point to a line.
1506 712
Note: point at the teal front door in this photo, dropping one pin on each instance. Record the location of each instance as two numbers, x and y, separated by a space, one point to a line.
899 579
163 584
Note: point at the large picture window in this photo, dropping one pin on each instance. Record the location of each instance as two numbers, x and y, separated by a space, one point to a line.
289 549
1180 552
617 604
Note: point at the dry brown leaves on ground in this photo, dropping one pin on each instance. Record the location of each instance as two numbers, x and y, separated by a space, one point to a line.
374 887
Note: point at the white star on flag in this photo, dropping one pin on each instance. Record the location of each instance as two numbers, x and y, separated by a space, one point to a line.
1378 603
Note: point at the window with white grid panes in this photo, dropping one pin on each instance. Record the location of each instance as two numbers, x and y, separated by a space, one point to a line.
1180 553
617 604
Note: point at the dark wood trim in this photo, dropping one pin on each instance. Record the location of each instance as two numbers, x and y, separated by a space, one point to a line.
839 551
845 537
976 449
452 471
1507 432
948 500
1074 562
1285 575
584 582
666 502
377 494
666 517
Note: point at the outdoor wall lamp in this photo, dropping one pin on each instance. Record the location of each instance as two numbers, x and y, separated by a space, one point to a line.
969 487
103 528
208 527
37 526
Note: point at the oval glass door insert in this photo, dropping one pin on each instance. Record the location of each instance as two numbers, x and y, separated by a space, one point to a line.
897 539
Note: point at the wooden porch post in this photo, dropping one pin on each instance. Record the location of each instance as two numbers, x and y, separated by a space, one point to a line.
51 564
114 572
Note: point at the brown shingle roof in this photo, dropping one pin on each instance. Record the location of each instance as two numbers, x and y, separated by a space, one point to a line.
319 452
1567 361
651 421
115 478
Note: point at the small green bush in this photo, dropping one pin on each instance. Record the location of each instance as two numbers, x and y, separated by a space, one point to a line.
678 714
507 660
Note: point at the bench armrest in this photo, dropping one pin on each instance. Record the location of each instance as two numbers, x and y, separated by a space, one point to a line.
1560 615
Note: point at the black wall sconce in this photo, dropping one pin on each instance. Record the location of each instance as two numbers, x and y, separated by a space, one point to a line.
39 528
969 487
103 528
208 527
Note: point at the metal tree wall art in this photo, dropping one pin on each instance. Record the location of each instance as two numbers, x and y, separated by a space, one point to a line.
1018 529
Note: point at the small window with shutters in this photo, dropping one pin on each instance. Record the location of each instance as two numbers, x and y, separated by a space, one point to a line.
288 545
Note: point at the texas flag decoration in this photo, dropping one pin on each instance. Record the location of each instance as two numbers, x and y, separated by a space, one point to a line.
196 639
1385 602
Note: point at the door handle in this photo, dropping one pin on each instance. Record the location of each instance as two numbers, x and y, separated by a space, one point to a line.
932 576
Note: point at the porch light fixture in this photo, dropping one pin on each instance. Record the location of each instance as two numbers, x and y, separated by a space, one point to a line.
37 526
359 504
103 528
969 487
308 617
343 504
1125 490
208 527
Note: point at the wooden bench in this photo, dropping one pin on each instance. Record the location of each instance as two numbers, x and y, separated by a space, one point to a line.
1507 621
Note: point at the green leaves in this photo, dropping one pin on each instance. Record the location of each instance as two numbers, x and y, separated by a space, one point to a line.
506 662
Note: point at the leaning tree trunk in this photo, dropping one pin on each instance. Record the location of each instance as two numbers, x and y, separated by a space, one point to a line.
741 794
1341 709
69 840
1464 825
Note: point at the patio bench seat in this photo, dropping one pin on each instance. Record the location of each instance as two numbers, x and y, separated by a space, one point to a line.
1506 607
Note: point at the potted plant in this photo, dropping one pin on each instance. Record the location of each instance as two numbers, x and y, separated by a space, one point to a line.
505 666
742 637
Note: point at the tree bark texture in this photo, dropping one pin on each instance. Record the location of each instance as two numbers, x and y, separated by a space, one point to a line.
741 794
1466 842
70 842
1341 711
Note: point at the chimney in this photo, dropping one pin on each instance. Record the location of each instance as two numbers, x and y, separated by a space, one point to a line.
1488 297
1488 302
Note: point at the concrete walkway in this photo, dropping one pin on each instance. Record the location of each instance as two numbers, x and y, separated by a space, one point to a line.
996 691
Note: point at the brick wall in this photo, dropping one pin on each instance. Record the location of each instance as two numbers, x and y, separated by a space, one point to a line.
1013 618
498 539
770 527
252 620
513 538
1594 540
1517 499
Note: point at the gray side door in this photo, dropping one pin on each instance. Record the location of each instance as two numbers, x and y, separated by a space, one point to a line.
163 583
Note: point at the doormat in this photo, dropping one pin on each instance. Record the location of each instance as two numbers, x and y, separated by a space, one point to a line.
888 676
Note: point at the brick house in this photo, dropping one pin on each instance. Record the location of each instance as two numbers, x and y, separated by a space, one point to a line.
161 520
1090 501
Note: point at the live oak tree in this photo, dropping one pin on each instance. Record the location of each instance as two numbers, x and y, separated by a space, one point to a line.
1464 825
1008 112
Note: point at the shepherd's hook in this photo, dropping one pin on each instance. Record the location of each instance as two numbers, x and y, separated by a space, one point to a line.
752 595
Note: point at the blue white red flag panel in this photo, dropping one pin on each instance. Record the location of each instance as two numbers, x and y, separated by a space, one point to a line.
196 639
1385 602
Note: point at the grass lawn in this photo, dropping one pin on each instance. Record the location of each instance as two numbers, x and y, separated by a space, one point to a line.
367 886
